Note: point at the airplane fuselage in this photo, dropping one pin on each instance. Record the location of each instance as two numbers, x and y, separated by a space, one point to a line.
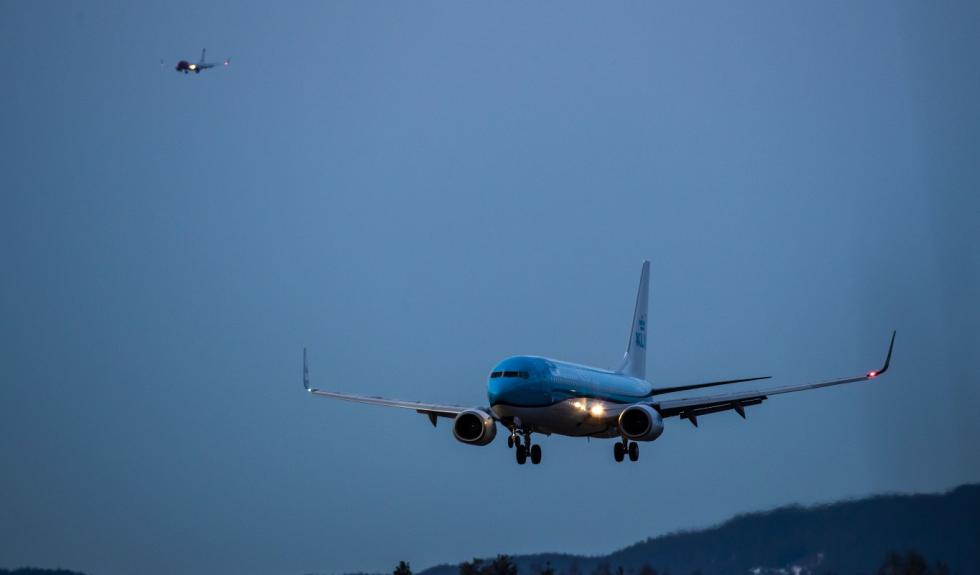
187 67
552 396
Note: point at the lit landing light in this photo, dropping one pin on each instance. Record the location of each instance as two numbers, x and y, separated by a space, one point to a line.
597 410
872 373
193 67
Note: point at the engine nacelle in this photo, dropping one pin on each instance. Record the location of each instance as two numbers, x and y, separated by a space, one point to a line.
475 427
641 423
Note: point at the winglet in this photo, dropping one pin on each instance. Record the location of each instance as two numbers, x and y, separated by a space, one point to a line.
888 358
306 373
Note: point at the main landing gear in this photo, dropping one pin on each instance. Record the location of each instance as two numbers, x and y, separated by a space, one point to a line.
525 448
626 447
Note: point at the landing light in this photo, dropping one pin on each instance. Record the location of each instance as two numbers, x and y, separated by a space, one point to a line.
597 410
193 66
872 373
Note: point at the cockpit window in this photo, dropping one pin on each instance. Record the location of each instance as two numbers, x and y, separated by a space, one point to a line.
521 374
495 374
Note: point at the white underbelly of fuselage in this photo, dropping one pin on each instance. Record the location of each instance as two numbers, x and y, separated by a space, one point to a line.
562 418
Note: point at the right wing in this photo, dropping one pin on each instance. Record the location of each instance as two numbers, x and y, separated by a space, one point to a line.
676 388
433 410
691 408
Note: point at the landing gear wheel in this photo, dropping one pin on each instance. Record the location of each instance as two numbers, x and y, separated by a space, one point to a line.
510 442
521 454
618 451
535 454
634 451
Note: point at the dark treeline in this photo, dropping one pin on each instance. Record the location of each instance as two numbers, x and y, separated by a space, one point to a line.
873 536
842 538
909 563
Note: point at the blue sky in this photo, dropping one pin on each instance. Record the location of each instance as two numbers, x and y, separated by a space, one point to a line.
415 191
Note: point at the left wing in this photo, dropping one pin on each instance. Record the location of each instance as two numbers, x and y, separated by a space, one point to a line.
433 410
691 408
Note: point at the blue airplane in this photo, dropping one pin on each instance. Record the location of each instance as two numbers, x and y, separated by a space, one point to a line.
530 394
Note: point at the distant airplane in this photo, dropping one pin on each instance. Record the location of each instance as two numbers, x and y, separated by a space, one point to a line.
530 394
188 67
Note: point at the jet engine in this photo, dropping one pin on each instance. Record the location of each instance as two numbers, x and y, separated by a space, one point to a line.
641 423
475 427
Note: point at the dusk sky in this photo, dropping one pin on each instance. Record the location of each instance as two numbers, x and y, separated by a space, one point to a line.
416 190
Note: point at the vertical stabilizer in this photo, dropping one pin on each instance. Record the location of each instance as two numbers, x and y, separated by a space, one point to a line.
635 360
203 51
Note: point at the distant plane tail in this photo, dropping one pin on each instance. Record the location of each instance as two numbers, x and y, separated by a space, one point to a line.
203 51
635 359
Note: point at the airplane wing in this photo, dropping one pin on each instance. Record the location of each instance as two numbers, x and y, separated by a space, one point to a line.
433 410
691 408
676 388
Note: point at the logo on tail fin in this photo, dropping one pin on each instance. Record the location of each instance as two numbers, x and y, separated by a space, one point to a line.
641 332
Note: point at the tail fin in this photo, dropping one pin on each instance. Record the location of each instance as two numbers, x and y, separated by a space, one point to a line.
635 360
203 51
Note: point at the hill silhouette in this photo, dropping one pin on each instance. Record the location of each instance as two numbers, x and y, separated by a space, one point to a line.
888 534
845 538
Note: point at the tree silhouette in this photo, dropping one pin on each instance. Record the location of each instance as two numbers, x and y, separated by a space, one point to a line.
403 569
474 567
910 564
502 565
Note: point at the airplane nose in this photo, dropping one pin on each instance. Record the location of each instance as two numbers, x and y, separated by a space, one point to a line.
498 390
515 391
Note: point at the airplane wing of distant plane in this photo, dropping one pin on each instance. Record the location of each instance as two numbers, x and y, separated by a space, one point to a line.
691 408
431 409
